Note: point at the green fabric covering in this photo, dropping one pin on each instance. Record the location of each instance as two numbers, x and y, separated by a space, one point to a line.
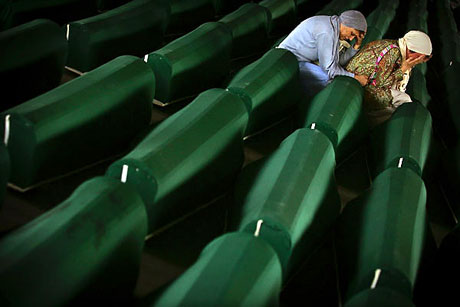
336 7
417 19
449 40
288 193
89 244
103 5
226 6
379 20
192 63
269 87
4 171
417 88
25 74
450 79
379 297
308 8
90 118
236 269
191 155
135 28
187 14
60 11
249 27
418 15
406 135
335 110
383 229
283 16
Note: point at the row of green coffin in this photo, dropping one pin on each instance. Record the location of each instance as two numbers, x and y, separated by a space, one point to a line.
379 20
284 205
138 28
380 239
336 7
90 118
418 19
449 63
183 13
269 86
289 200
153 174
447 29
61 130
131 29
17 12
25 74
201 59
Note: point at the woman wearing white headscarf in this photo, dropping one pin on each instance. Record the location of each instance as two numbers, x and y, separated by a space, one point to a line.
388 64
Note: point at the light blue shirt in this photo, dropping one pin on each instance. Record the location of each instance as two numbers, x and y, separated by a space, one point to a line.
317 39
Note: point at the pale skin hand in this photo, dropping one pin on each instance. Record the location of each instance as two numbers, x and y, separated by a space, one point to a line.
359 40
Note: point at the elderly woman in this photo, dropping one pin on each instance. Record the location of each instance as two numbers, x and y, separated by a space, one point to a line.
388 64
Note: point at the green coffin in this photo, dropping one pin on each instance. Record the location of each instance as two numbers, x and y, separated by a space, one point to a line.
236 269
418 15
135 28
283 16
188 14
450 79
417 19
194 154
448 38
417 87
336 7
403 141
226 6
269 87
249 27
83 121
380 235
379 20
4 171
25 74
285 199
192 63
17 12
89 245
335 111
104 5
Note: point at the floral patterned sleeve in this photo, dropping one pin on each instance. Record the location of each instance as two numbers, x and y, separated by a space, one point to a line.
379 95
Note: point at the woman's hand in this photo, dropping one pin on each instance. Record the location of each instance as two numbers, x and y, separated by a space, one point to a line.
410 62
359 40
362 79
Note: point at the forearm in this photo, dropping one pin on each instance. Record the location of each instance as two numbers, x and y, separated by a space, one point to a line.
346 56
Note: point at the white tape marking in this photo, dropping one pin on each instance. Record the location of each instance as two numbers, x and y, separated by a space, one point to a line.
124 173
146 58
313 125
67 32
376 278
7 129
259 225
400 162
